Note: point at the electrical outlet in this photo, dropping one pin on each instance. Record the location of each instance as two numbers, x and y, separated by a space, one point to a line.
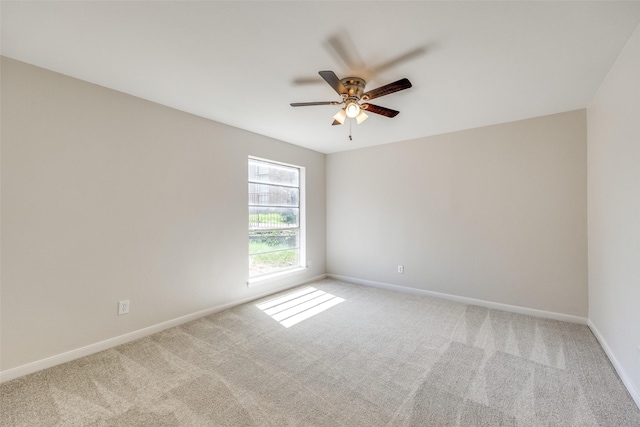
401 269
123 307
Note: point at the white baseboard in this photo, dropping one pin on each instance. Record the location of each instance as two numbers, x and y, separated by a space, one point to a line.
465 300
635 394
29 368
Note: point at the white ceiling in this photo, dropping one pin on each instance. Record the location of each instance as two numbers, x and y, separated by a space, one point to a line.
241 63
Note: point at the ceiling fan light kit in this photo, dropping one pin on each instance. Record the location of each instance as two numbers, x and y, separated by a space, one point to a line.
351 90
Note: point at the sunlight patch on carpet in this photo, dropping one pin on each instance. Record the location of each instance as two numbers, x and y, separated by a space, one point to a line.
297 306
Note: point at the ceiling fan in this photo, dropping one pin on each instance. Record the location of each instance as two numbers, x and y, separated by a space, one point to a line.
351 89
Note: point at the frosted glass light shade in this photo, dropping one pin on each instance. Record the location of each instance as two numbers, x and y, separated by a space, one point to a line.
361 117
340 116
352 109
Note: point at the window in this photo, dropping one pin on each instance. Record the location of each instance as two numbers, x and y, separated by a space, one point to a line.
276 235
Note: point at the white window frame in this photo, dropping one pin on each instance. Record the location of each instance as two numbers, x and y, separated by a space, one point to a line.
302 226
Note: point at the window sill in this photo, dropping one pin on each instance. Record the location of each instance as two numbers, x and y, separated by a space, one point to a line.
257 281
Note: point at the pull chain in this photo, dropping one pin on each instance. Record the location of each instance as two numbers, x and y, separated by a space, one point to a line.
350 121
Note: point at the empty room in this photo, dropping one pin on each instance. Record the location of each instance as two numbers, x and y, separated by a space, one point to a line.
318 213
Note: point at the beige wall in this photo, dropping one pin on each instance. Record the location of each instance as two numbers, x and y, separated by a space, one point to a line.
108 197
614 213
495 213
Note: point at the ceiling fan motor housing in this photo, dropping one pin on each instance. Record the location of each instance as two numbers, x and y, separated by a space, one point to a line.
355 87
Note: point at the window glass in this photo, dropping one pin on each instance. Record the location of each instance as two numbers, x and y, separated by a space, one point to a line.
274 217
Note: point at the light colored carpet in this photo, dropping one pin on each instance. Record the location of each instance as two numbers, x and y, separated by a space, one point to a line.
378 358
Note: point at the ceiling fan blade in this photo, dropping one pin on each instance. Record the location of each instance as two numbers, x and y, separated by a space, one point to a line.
343 46
414 53
383 111
401 84
308 104
333 80
307 81
335 122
